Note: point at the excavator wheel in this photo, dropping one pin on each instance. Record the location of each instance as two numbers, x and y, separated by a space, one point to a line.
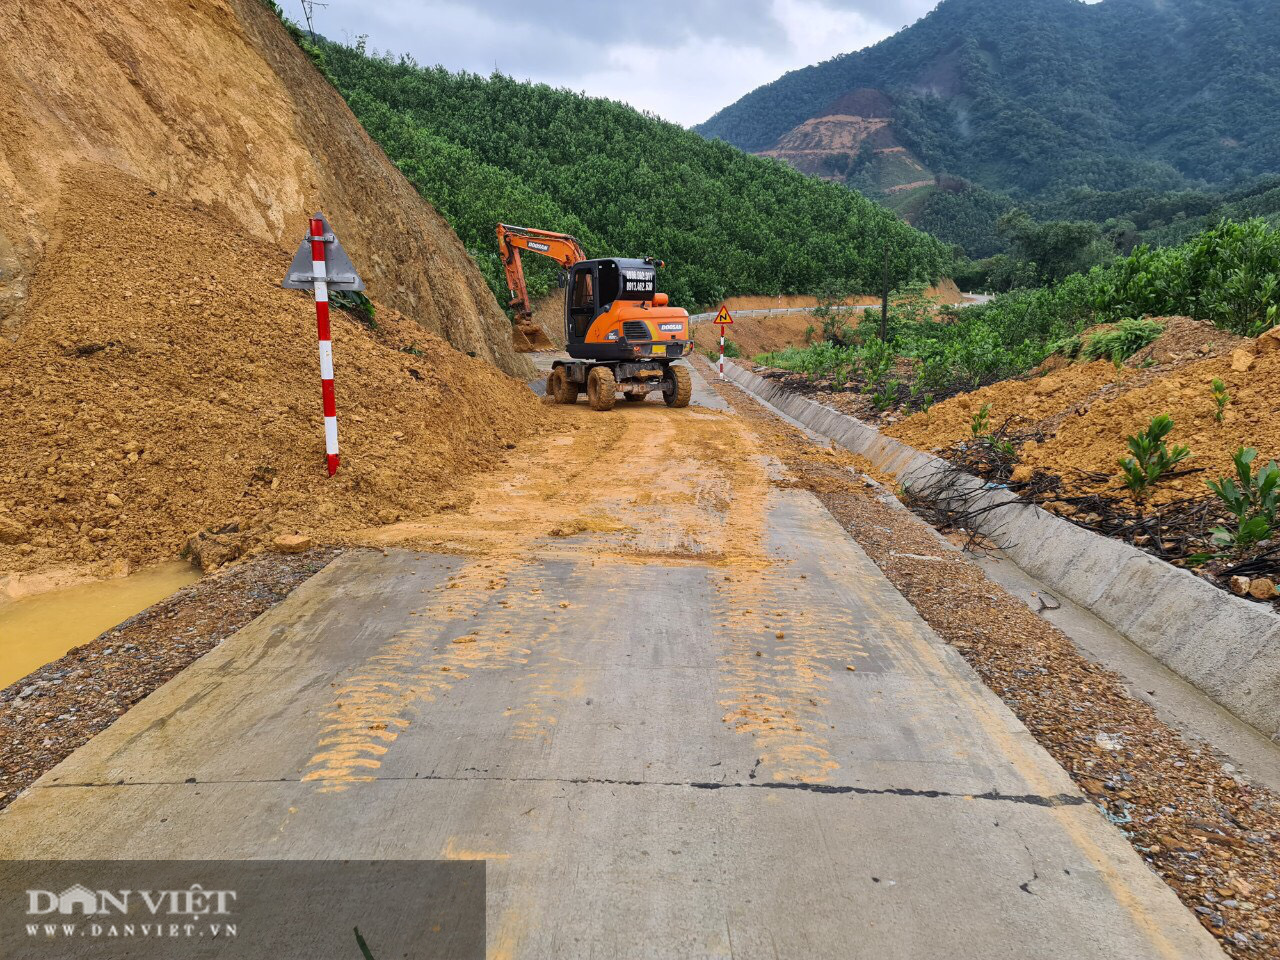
679 397
561 388
602 388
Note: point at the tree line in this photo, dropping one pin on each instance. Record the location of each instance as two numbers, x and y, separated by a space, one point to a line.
625 183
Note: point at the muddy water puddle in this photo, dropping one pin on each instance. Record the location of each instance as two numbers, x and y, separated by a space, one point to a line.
37 630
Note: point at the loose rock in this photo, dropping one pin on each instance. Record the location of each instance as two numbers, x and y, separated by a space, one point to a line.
11 531
1262 589
292 543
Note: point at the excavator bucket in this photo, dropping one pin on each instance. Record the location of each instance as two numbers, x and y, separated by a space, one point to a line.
528 337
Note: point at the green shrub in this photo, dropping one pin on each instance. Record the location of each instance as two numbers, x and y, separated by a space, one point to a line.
1121 343
1251 498
875 359
1229 275
1150 459
836 329
886 395
1068 347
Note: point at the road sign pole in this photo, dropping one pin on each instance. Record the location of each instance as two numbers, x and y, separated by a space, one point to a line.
320 277
322 266
723 318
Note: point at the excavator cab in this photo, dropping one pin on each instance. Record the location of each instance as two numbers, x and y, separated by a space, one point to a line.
594 287
613 311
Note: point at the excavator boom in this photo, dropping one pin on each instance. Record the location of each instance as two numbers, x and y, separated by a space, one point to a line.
560 247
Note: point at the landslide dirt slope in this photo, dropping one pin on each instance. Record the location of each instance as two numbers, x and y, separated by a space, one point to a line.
211 100
157 165
172 387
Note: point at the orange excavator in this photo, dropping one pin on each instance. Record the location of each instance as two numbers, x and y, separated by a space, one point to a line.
620 333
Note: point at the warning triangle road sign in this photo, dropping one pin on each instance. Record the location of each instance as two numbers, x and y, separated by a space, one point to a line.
724 316
341 272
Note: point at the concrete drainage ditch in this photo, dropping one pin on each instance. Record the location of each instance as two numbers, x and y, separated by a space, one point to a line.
1227 647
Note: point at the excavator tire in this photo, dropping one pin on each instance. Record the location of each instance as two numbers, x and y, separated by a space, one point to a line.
602 388
561 388
679 397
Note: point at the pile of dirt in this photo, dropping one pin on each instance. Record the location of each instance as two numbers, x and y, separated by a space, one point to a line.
1088 410
548 313
163 383
1094 439
944 291
1185 340
1033 401
756 335
212 100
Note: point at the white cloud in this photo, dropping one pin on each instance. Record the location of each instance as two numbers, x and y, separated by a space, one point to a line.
817 32
681 59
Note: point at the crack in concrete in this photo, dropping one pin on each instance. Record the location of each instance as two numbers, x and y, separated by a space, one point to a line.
828 789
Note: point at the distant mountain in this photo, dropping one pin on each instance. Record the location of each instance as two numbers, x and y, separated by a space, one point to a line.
1034 99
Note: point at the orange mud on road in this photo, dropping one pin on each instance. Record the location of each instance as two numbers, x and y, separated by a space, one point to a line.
645 674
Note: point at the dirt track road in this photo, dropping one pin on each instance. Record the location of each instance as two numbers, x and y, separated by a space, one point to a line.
661 691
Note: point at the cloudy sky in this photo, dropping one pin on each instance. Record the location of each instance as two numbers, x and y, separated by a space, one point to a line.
681 59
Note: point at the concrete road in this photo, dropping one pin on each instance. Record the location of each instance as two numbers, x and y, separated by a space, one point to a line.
701 724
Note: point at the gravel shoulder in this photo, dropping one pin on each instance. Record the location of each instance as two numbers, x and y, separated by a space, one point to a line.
52 712
1213 837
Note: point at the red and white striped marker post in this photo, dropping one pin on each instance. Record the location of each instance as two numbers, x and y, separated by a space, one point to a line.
329 400
723 318
321 266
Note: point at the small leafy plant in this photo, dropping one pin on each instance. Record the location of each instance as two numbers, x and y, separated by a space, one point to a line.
1150 459
980 426
876 359
835 329
1220 398
886 396
1249 497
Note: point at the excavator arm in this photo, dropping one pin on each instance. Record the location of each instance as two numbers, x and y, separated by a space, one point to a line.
560 247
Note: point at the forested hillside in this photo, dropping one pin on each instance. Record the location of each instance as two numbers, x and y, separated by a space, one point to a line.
490 149
960 212
1035 98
